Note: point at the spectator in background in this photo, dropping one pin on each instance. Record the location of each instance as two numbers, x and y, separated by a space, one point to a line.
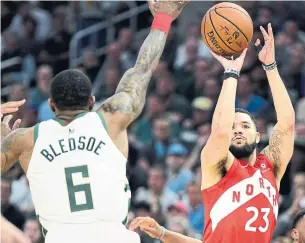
112 61
42 90
27 72
9 211
162 69
32 229
246 98
177 104
25 113
292 30
9 45
211 89
298 228
285 220
56 47
169 53
201 112
92 66
179 224
21 196
264 16
179 176
192 48
300 110
155 151
190 82
143 127
196 209
128 54
156 194
187 56
41 17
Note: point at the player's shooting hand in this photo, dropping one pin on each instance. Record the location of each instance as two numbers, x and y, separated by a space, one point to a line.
172 8
267 54
147 225
232 63
11 107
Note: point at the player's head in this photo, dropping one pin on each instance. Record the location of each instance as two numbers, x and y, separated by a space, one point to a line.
298 228
71 91
244 134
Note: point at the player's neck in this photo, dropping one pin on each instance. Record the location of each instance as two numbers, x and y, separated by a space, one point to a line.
251 159
68 115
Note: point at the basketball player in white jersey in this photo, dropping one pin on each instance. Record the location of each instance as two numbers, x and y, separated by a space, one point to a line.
76 163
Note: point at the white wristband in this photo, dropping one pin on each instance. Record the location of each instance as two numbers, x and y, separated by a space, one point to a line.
229 70
163 233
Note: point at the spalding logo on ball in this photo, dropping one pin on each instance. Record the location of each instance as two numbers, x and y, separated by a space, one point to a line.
227 29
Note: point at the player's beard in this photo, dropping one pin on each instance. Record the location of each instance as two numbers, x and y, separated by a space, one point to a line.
244 151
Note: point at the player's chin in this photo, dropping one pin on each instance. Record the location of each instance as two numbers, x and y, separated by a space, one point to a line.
239 143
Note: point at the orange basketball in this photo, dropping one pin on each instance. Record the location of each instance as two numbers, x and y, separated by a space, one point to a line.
227 29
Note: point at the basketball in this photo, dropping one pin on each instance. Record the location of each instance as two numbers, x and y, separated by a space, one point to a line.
227 29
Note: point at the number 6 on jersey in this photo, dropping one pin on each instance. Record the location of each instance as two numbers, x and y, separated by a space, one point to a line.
73 189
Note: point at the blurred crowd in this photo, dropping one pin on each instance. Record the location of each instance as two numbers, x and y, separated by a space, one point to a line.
166 141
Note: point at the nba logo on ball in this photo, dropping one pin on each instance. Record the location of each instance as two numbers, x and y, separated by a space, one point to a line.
227 29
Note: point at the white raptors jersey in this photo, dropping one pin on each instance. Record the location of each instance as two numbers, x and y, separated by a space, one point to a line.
77 174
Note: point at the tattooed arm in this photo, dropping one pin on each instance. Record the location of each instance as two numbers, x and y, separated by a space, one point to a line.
129 98
11 148
128 101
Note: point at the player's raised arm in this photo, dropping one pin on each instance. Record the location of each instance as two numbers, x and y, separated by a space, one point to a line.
128 101
281 141
217 146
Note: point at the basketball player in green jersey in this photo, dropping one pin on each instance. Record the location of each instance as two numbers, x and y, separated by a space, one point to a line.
76 163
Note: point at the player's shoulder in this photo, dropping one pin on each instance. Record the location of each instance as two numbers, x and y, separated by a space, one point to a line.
263 162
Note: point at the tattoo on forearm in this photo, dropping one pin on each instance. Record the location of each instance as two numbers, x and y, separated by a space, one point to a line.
131 91
9 144
275 143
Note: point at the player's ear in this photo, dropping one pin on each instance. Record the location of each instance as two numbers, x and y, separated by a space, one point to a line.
258 137
51 104
91 102
294 234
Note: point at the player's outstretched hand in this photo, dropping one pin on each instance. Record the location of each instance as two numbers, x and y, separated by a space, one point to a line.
11 107
232 63
11 234
171 7
147 225
267 53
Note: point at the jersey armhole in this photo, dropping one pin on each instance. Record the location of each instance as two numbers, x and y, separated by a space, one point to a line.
36 129
102 120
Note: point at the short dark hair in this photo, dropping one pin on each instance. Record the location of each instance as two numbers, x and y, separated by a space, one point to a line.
240 110
297 218
71 90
